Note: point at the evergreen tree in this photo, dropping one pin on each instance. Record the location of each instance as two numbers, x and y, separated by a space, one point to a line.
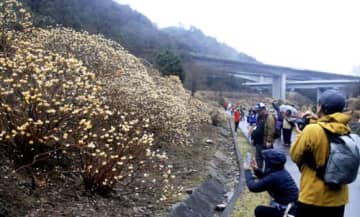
169 64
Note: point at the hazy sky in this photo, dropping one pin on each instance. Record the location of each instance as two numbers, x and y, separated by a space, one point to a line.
312 34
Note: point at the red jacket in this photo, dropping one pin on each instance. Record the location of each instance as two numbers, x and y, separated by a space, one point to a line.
237 116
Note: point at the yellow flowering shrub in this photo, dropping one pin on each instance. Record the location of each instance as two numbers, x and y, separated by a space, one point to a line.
172 112
98 54
118 151
12 17
45 99
51 103
82 96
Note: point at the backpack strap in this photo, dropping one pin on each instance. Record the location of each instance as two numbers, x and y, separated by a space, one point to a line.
309 159
320 171
287 210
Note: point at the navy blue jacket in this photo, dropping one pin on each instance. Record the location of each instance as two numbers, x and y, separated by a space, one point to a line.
275 179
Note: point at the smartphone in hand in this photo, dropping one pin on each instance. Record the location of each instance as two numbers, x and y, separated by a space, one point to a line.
248 158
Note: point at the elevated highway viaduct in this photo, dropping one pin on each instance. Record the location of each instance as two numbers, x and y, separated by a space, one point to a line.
278 78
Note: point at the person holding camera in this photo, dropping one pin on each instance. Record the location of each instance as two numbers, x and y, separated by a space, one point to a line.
312 144
288 125
274 179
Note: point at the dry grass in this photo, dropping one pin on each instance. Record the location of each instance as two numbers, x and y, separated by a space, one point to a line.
353 106
249 99
247 201
244 144
353 103
243 98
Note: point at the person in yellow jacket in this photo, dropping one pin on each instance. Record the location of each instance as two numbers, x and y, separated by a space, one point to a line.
315 197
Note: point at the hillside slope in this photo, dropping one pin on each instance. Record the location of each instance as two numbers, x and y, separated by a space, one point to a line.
118 22
101 134
204 45
137 34
127 26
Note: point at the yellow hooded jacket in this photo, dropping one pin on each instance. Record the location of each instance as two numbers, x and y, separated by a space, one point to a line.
313 190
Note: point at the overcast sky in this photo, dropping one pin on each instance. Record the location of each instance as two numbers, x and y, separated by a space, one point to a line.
312 34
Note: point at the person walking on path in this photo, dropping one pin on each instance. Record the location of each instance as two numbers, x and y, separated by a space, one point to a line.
229 109
251 118
279 119
242 113
316 198
225 105
274 179
279 116
263 135
237 116
287 128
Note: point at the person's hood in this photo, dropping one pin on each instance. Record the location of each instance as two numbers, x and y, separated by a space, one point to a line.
274 160
336 123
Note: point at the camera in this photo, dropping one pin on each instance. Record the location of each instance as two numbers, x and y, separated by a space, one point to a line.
302 122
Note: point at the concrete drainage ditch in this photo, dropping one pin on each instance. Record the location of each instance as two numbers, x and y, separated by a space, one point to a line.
202 201
211 199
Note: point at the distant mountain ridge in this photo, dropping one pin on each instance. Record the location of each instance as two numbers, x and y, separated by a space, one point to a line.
204 45
129 27
118 22
132 30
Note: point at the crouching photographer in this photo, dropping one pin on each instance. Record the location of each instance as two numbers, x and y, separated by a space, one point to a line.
274 179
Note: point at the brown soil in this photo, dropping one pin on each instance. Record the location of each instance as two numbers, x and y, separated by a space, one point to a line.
59 193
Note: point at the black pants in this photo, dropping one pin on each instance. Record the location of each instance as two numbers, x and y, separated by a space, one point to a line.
267 211
287 136
236 125
305 210
258 155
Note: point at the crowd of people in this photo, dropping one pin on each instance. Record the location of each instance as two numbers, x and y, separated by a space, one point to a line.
267 173
236 111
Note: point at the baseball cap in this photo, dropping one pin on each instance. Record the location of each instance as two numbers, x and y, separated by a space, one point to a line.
332 101
260 106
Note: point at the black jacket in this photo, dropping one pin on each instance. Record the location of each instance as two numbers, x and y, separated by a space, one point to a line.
258 135
275 179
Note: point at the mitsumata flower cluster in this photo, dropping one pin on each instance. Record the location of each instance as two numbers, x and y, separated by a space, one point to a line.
83 97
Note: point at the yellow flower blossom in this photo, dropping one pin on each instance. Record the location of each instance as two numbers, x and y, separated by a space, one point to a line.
50 111
91 145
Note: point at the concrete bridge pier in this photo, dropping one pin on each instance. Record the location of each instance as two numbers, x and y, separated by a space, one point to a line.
279 87
318 93
261 78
